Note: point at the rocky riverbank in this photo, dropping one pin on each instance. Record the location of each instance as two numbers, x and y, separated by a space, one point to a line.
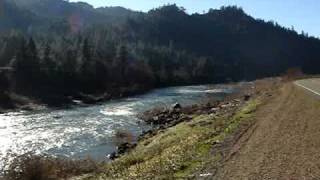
16 102
195 141
163 118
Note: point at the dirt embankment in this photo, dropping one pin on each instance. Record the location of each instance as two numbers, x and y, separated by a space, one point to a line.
283 143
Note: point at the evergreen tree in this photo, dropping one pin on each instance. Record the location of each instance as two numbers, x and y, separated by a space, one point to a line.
69 71
49 66
27 66
86 59
4 82
122 62
20 65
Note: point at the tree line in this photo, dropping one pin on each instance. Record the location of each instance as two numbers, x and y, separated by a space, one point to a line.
94 64
132 52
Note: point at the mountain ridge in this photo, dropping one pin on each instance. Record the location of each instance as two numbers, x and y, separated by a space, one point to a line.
113 49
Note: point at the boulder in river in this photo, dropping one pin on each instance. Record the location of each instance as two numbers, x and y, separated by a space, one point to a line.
121 149
113 156
247 97
125 147
176 106
213 110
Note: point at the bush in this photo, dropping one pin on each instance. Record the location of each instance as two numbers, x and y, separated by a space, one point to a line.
292 74
35 167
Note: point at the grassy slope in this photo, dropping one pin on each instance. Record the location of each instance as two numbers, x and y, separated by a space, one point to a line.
180 151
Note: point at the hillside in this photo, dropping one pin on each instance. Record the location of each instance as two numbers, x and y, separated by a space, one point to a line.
12 17
65 50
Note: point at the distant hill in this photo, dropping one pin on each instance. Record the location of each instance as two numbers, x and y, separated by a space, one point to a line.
109 48
64 11
13 17
230 35
222 33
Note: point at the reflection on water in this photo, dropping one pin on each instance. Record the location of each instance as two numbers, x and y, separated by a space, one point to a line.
83 131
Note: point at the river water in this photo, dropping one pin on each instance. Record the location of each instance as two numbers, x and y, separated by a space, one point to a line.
89 131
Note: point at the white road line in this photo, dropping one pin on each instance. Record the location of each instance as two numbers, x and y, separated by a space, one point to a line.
313 91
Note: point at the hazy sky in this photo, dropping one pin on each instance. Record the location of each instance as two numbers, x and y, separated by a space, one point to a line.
302 14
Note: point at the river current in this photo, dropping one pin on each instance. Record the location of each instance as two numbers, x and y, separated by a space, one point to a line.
79 132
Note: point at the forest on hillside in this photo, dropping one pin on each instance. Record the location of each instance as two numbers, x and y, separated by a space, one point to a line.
55 51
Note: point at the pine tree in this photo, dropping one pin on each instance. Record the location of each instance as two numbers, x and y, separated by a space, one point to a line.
48 64
33 63
69 70
4 82
27 66
122 62
86 67
19 65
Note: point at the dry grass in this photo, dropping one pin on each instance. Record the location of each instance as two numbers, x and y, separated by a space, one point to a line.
33 167
293 74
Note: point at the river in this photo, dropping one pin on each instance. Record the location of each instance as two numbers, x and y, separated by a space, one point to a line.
89 131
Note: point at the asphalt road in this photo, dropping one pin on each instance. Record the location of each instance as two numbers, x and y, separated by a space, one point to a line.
311 85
